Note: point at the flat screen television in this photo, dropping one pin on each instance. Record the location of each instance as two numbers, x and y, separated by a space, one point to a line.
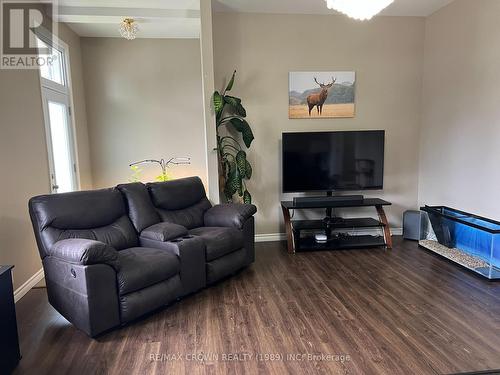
330 161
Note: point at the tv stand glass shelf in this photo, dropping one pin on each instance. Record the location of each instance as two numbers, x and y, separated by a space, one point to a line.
300 233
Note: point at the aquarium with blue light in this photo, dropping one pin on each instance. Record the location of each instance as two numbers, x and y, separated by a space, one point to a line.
469 240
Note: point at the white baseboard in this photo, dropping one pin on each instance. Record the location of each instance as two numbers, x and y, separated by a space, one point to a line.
273 237
30 283
397 231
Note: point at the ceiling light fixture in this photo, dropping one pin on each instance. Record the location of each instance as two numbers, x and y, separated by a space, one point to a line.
129 28
359 9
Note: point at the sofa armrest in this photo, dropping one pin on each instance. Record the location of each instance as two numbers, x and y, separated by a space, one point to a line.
191 253
87 295
229 215
164 232
84 252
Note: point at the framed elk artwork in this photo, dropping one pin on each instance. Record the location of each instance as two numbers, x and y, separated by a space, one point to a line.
321 94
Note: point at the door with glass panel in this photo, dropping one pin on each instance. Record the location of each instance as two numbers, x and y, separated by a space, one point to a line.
58 122
59 142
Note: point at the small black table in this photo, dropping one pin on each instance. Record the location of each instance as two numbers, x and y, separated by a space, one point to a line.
9 342
293 228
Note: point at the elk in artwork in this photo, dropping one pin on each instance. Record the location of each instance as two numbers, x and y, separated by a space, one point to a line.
318 100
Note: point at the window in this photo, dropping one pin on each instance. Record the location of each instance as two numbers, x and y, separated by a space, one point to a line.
58 122
54 72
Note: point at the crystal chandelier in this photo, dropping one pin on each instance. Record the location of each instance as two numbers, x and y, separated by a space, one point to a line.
359 9
129 28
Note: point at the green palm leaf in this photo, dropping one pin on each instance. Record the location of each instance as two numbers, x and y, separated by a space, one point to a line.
247 198
218 101
233 182
242 126
231 82
233 101
240 110
241 162
248 170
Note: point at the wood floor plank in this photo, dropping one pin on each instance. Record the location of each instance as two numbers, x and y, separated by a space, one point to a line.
400 311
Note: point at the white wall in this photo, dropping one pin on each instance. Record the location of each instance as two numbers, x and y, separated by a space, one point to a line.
144 101
387 55
460 136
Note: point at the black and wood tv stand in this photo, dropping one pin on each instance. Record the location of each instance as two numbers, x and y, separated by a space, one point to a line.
341 240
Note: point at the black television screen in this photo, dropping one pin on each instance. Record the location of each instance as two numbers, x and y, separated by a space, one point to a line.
328 161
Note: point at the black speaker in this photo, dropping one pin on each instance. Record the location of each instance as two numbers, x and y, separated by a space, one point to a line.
414 225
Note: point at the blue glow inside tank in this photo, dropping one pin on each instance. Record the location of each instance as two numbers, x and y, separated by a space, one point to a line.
467 239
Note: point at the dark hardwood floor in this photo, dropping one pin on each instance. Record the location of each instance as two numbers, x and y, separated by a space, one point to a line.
403 311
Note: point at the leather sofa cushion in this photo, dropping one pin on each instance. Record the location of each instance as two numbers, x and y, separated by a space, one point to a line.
141 267
219 241
99 215
141 211
164 232
190 217
119 235
176 194
79 209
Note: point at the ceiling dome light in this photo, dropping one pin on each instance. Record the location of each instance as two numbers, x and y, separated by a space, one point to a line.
359 9
129 28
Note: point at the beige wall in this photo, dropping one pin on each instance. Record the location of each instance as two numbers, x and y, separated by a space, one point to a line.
460 143
23 153
24 169
80 110
387 55
144 101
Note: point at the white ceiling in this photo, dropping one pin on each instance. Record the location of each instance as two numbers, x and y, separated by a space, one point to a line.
181 18
155 18
150 4
420 8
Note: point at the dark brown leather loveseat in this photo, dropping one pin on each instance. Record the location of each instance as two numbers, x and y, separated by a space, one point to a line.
113 255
